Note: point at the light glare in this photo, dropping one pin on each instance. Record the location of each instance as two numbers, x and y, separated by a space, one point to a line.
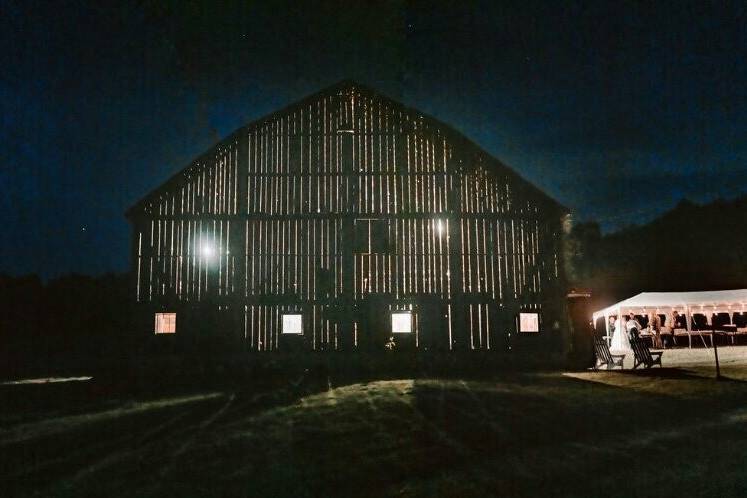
207 250
440 227
402 323
292 324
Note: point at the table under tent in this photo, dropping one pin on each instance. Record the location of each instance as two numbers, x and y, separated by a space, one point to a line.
683 315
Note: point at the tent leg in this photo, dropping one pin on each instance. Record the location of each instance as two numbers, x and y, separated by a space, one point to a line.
688 317
703 341
607 329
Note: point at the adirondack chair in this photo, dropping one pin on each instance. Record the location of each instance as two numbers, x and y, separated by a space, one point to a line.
604 357
644 356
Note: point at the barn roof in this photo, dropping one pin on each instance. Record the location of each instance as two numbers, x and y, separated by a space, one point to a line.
451 134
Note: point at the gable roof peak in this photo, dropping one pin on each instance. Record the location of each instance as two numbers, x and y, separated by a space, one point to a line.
346 84
343 87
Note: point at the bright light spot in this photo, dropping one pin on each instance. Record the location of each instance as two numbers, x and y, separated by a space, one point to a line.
440 227
402 323
293 324
165 323
528 322
207 250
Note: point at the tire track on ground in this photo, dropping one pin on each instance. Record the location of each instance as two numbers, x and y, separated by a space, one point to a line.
199 430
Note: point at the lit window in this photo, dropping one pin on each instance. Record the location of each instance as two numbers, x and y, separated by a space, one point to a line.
165 323
293 324
529 322
402 322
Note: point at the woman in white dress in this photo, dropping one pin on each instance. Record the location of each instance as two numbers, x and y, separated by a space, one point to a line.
620 340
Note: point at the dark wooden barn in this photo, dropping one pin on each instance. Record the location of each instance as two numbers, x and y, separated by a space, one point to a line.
342 222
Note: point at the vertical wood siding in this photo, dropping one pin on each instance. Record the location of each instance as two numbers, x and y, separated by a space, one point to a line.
339 200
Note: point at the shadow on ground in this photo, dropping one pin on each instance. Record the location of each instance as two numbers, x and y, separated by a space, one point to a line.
660 433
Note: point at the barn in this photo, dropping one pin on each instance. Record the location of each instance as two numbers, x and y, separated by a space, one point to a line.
348 221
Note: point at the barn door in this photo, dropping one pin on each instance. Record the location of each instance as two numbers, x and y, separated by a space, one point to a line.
432 333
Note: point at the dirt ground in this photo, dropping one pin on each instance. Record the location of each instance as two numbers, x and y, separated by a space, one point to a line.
674 431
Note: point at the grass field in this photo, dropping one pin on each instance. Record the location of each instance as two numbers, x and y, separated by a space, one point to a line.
670 432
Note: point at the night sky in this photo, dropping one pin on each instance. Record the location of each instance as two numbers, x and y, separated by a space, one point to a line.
618 111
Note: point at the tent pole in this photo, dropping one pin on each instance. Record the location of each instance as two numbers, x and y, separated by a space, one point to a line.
709 322
688 318
619 321
607 328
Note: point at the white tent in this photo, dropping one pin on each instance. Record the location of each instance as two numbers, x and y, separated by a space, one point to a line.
687 303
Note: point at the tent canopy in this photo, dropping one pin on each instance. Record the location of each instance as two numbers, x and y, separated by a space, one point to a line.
715 301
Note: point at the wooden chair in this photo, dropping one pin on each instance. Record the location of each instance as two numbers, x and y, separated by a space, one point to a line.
643 356
604 357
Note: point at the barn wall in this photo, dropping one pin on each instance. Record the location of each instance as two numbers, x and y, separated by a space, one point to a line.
345 207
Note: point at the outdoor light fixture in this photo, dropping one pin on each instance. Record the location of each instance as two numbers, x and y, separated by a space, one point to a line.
292 323
207 250
440 227
401 322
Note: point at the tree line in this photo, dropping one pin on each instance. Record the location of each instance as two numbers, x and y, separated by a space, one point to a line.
692 247
71 320
80 319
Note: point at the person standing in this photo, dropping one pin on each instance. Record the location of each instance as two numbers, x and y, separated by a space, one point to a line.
678 321
671 322
654 323
620 341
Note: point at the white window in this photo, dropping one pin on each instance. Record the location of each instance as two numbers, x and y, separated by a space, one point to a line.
293 323
529 322
165 323
401 322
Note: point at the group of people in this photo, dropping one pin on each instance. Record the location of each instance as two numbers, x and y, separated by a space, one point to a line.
623 330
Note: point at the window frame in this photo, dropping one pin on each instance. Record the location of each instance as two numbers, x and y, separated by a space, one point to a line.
528 312
401 312
282 324
171 320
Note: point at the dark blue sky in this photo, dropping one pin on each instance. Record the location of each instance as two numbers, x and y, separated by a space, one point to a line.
618 111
